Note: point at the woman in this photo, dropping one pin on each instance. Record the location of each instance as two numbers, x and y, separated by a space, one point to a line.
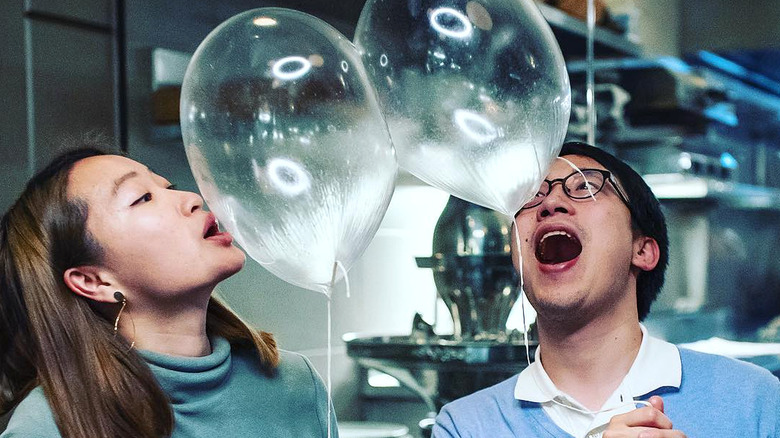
107 323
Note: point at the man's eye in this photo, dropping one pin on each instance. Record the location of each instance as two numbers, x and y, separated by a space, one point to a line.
586 186
171 187
145 198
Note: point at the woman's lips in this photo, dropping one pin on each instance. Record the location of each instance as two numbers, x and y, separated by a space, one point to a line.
222 237
212 233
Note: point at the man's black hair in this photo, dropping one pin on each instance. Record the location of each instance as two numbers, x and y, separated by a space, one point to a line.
646 217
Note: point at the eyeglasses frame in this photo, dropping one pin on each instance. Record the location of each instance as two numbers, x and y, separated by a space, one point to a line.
605 173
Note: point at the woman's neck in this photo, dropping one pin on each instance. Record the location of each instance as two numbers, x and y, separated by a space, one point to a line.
177 330
177 342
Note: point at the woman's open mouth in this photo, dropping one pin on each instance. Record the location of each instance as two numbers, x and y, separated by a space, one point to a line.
212 230
212 233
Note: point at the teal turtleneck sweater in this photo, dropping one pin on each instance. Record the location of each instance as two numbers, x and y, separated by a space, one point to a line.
220 395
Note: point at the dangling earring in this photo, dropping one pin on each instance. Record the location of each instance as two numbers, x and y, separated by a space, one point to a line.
120 298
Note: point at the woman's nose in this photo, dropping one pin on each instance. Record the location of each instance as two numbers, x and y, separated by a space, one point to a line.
191 202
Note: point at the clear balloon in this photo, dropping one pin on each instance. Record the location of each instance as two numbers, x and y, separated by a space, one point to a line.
475 93
287 142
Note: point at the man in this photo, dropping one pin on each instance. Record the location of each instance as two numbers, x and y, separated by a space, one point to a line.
594 250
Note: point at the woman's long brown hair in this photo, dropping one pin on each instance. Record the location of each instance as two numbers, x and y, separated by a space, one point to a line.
95 384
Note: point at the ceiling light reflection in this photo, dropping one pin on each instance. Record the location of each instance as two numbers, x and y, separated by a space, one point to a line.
451 22
264 21
475 126
288 176
284 68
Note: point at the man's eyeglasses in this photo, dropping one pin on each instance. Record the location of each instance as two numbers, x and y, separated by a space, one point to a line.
581 184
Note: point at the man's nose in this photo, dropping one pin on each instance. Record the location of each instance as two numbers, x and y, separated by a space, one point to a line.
556 201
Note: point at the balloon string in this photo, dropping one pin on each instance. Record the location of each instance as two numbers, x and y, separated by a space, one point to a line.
346 277
577 169
338 266
328 368
522 294
538 166
589 93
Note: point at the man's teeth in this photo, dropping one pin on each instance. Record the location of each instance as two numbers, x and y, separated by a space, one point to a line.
555 233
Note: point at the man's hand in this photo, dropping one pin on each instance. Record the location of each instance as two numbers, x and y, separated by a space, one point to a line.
647 422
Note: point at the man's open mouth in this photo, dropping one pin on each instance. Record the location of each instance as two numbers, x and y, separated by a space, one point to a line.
557 247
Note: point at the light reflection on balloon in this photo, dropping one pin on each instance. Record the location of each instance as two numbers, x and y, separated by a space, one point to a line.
282 68
289 177
455 18
475 126
264 21
479 15
316 60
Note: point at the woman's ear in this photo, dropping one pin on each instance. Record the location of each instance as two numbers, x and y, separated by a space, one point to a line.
646 253
88 282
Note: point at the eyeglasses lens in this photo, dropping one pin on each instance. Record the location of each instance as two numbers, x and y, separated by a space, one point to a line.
577 185
585 184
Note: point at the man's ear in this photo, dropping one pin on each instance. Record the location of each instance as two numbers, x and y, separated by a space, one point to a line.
89 282
646 253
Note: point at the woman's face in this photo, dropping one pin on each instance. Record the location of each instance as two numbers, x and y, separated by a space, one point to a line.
156 241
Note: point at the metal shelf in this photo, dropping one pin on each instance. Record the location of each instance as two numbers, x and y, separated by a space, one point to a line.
571 34
682 187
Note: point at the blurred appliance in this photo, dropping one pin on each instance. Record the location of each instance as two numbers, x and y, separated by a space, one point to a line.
723 274
709 147
474 276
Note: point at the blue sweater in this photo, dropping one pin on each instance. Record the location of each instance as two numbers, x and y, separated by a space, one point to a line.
220 395
718 397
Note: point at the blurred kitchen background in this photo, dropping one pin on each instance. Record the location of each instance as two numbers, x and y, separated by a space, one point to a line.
687 91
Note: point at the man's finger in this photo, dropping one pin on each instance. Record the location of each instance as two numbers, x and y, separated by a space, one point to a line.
657 402
642 417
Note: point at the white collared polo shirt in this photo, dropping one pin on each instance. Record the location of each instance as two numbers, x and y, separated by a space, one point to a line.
657 365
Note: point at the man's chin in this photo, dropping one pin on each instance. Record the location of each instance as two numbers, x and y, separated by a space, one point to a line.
559 308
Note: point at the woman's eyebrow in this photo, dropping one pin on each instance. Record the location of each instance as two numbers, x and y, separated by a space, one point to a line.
119 181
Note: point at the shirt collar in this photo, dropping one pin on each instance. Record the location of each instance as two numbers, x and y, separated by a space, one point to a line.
657 365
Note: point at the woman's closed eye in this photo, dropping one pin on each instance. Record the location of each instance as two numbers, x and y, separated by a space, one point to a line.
145 198
148 195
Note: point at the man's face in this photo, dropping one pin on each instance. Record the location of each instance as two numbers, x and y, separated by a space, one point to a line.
576 253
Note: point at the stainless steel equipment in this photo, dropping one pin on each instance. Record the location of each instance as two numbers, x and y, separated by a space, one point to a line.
472 269
473 272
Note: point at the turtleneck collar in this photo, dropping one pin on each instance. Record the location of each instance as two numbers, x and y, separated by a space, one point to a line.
190 379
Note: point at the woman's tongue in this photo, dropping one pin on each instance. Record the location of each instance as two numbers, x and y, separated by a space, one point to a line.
557 248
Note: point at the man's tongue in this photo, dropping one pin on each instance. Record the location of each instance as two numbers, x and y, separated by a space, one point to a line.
558 248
